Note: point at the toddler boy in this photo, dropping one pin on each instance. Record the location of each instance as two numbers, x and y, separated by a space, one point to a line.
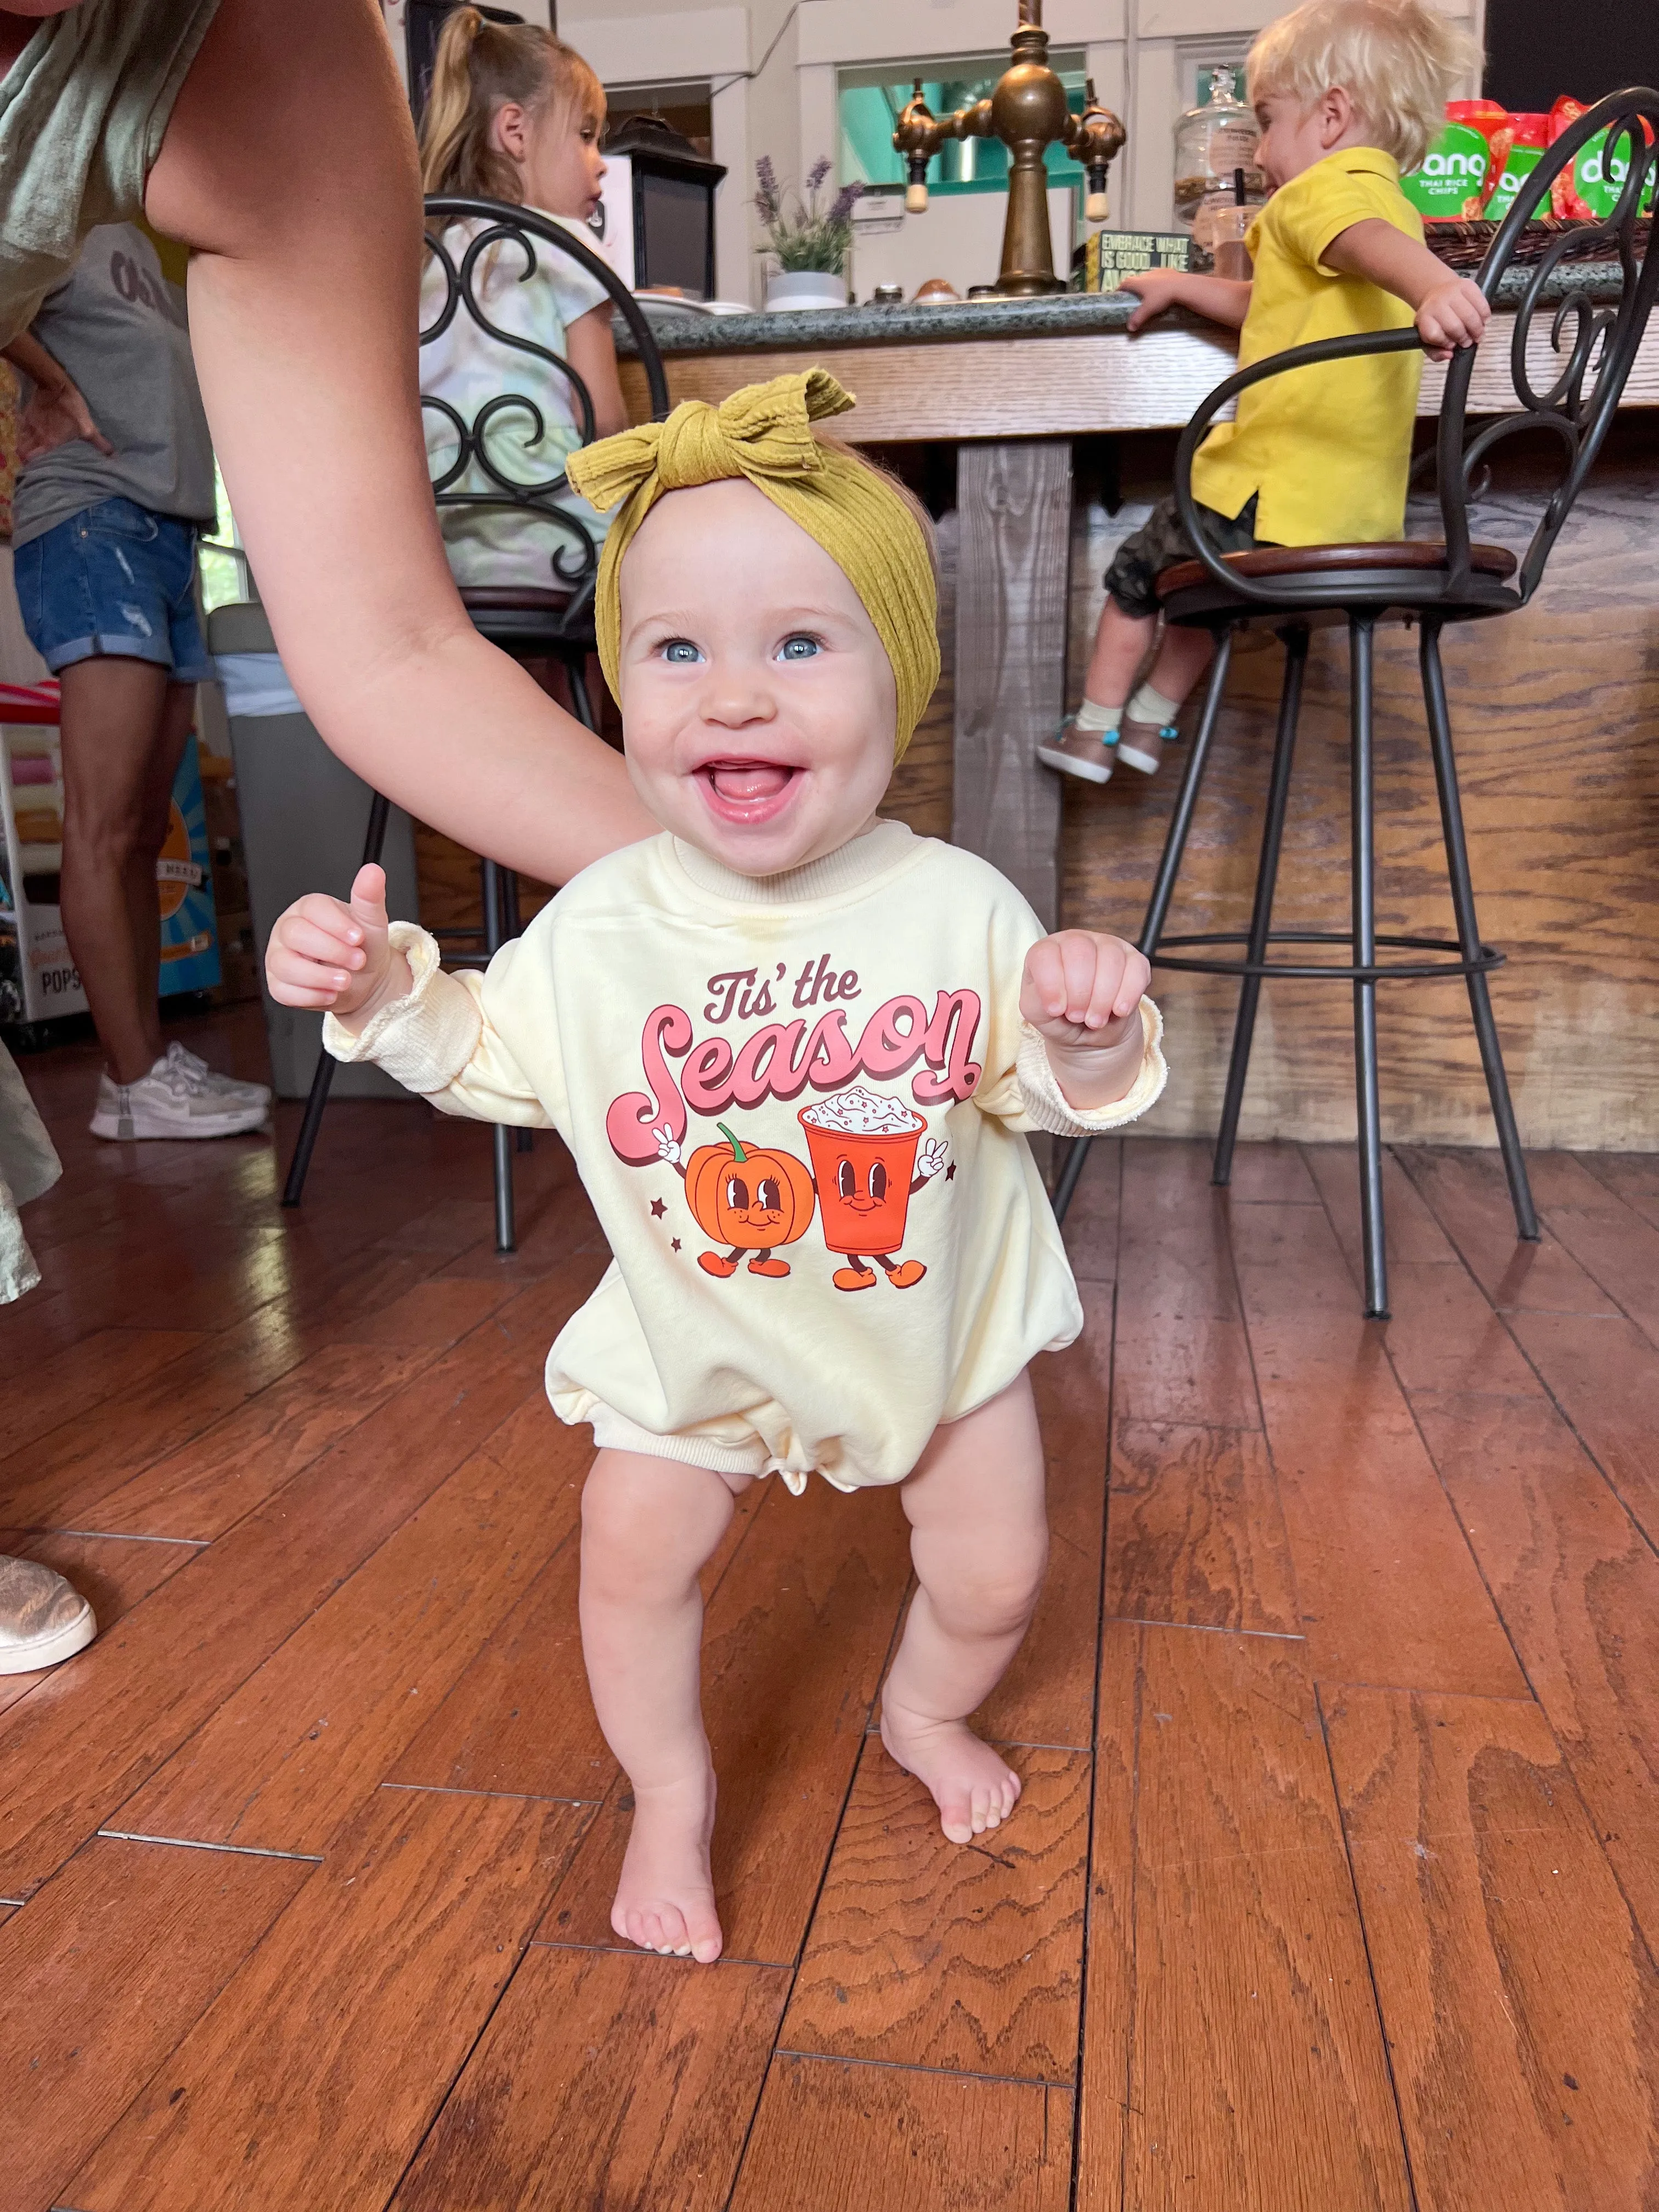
1348 93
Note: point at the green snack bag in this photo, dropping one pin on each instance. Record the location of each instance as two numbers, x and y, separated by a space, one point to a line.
1458 170
1532 134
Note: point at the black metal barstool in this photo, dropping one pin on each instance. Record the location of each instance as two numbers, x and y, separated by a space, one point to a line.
1433 582
526 622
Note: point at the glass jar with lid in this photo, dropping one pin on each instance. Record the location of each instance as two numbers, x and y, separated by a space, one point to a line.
1212 141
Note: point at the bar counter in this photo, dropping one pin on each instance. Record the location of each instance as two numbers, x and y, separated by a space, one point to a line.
1554 709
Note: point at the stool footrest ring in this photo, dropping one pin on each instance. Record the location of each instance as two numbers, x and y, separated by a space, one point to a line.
1313 971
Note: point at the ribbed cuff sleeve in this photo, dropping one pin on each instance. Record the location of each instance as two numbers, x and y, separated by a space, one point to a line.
424 1039
1046 1103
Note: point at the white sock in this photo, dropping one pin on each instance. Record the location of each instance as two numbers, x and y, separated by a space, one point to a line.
1150 706
1093 716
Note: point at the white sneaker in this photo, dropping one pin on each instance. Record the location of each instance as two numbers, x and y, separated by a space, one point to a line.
228 1086
42 1620
173 1101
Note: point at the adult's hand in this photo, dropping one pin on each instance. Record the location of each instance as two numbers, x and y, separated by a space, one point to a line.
55 413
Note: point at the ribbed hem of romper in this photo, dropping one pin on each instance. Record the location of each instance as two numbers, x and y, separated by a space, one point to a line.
860 860
614 1432
424 1039
1047 1105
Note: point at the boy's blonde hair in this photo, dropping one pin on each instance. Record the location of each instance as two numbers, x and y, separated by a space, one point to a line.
479 67
1399 61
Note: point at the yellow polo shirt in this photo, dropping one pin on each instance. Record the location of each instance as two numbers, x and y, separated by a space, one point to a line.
1325 449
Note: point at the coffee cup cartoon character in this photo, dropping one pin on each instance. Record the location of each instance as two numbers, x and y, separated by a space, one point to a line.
866 1165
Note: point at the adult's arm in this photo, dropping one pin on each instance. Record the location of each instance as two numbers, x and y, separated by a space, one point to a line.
289 165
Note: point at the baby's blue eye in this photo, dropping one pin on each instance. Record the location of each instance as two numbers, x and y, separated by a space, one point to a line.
681 652
799 648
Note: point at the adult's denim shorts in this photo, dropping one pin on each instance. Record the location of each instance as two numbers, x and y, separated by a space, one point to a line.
113 579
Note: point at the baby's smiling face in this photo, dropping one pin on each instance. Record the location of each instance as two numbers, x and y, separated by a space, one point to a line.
758 702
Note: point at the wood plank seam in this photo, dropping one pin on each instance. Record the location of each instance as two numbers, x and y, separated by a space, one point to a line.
1255 1380
465 2060
909 2066
1206 1628
1365 1942
1408 1401
792 1966
1649 1538
616 1951
263 1505
455 1789
195 1843
1094 1733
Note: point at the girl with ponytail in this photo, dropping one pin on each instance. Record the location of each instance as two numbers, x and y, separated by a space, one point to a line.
515 114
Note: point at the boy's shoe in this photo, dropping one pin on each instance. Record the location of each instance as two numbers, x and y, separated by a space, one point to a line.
42 1619
175 1100
1087 753
1141 744
228 1086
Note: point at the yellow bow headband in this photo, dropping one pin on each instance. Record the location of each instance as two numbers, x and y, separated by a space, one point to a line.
764 433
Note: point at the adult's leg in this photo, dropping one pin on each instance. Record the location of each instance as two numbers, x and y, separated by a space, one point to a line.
648 1525
178 712
978 1542
117 722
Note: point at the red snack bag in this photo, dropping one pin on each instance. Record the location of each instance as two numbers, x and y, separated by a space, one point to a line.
1497 126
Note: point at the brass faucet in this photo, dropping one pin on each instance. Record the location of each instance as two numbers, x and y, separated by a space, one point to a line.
1028 112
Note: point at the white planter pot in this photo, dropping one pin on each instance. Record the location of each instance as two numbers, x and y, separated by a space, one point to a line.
796 288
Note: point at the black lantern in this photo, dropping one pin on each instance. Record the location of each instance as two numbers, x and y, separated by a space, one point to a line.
658 210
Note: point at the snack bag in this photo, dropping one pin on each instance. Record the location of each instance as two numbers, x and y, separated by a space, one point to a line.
1464 162
1532 134
1589 191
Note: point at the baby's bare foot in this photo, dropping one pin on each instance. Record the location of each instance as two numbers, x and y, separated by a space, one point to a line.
666 1898
973 1789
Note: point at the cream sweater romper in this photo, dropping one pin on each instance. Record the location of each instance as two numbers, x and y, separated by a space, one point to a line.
798 1106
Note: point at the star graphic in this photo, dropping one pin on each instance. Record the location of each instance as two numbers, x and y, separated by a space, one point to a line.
658 1209
676 1243
950 1172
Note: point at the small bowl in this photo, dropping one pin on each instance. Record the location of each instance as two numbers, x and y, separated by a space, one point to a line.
937 292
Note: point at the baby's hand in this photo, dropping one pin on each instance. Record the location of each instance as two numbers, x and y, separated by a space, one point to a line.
1081 989
1453 314
323 952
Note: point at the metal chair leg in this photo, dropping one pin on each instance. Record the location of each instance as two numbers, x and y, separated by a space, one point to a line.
1266 880
300 1166
580 698
1468 934
494 880
1174 844
1361 639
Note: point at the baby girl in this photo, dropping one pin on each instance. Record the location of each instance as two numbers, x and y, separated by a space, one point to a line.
793 1049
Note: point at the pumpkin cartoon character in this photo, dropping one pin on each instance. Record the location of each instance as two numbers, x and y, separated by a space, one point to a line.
747 1197
866 1169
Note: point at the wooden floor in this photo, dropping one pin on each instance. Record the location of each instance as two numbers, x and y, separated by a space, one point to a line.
1335 1885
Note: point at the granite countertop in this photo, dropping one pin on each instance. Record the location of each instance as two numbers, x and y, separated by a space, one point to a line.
1062 315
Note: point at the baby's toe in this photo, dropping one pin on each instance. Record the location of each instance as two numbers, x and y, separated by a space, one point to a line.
956 1816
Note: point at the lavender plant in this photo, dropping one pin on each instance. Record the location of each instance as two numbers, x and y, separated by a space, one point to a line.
801 234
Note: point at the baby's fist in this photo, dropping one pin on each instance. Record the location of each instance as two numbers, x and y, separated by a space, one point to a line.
1081 988
326 952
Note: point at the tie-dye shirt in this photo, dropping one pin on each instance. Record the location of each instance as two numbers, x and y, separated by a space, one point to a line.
466 367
